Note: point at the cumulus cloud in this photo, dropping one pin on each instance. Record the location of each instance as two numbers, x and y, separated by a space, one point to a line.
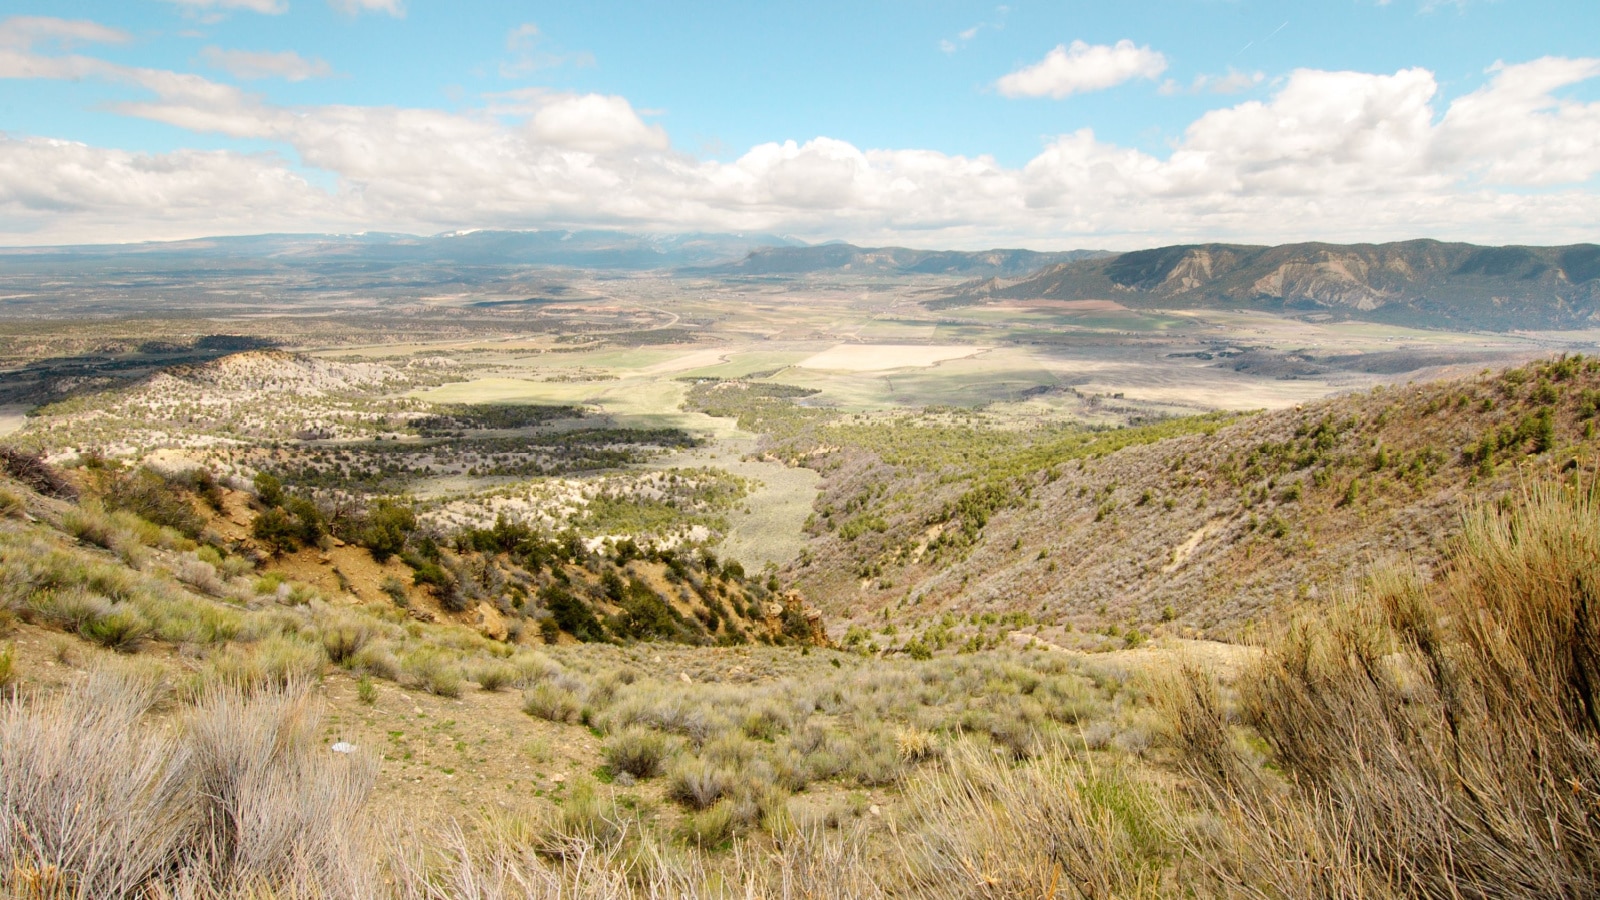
594 123
394 8
250 65
1328 155
267 7
1515 131
1081 68
114 195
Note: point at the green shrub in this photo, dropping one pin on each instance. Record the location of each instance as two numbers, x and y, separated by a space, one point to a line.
375 659
698 783
710 828
639 751
273 663
396 589
552 703
120 629
148 495
90 523
433 671
493 676
276 530
585 822
269 490
344 635
571 614
386 528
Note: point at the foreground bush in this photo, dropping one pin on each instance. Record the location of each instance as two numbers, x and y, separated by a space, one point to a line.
1446 736
243 798
1418 740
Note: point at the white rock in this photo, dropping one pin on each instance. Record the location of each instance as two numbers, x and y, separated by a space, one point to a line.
344 747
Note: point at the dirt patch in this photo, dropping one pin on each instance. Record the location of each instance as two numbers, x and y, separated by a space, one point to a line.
882 357
1067 305
1181 552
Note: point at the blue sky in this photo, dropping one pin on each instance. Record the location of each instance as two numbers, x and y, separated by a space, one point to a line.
926 123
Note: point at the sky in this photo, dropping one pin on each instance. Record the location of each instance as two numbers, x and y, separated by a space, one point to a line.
926 123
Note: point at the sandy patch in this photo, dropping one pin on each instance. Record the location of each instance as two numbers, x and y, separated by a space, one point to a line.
881 357
1183 551
1069 305
696 360
12 418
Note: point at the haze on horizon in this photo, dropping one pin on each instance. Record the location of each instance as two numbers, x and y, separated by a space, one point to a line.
940 125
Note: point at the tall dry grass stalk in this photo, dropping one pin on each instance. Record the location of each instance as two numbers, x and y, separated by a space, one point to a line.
90 804
984 827
239 798
1437 739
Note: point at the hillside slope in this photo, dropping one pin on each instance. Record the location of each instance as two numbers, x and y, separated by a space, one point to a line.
1200 528
1411 282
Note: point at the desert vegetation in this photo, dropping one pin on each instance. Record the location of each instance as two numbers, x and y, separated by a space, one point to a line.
444 611
1419 738
1200 533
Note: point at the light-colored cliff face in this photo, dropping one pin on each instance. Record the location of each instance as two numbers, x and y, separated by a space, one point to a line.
1342 280
1195 269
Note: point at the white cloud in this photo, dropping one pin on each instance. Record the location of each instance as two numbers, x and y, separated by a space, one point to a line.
1081 68
266 7
24 32
967 35
112 194
394 8
250 65
1231 82
594 123
1327 155
1514 131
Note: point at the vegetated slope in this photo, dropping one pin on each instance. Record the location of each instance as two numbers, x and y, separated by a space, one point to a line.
1420 282
1424 740
1201 532
511 583
894 261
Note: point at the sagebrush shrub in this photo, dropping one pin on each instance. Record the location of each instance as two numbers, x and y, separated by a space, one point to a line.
552 703
639 751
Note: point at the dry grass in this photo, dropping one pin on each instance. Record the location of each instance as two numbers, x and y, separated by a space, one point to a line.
1417 739
1450 730
97 804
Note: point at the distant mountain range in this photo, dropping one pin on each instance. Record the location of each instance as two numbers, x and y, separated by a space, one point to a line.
1418 283
1421 282
721 255
575 249
847 258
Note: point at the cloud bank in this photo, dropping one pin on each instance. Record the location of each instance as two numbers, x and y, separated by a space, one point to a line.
1328 155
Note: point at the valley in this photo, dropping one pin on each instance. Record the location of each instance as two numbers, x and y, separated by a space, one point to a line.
674 579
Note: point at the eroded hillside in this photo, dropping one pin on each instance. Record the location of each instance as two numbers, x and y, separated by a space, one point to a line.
1199 526
1426 283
